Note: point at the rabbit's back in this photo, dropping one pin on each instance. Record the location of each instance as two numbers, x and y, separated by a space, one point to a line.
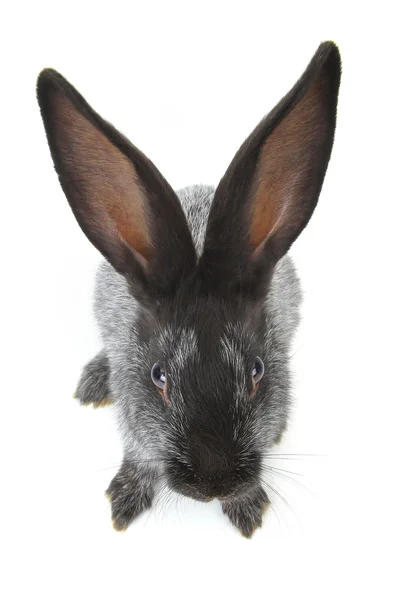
115 307
196 203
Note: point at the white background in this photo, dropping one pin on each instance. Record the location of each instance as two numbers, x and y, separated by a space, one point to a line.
187 83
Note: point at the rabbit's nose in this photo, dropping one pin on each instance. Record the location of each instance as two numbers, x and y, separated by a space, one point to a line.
205 498
214 488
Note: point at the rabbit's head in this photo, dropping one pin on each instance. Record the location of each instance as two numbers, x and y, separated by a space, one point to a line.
211 377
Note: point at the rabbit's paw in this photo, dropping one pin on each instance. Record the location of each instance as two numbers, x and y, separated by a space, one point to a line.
129 496
93 384
246 513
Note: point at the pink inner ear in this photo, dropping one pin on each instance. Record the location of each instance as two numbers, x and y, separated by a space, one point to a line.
284 166
112 198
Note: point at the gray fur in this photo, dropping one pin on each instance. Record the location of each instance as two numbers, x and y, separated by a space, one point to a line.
115 311
93 386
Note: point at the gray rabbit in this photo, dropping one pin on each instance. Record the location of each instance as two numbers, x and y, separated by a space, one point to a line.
197 302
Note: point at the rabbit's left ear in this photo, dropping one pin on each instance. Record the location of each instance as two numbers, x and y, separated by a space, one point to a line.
121 201
271 188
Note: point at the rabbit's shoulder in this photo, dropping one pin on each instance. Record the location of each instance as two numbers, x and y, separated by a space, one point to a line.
283 301
114 306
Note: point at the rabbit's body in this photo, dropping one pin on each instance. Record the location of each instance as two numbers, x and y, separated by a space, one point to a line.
198 302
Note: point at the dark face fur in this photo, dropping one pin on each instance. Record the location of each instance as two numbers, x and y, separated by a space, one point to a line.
212 412
202 317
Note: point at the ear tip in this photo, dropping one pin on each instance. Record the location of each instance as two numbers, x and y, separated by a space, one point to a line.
48 79
327 63
44 82
329 55
47 75
329 46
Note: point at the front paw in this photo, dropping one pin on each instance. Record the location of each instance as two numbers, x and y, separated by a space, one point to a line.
93 388
129 496
246 513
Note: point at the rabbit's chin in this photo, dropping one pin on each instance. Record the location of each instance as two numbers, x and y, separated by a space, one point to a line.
200 496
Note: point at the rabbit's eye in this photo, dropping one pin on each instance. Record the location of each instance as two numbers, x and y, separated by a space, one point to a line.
258 370
158 376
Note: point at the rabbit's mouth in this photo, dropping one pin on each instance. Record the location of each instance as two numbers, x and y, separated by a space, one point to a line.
223 485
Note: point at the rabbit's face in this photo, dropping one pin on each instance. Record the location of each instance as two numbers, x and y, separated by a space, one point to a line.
210 378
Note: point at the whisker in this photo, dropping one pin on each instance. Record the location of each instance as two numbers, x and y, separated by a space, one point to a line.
276 513
296 351
274 504
108 468
161 500
296 454
281 496
266 466
294 457
178 503
169 500
175 504
292 480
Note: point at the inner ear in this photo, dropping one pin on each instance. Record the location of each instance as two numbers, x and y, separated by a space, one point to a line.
285 166
122 202
111 202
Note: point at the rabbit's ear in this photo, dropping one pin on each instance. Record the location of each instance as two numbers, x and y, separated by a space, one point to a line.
271 188
119 198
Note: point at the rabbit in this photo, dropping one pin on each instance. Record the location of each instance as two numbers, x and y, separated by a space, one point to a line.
197 301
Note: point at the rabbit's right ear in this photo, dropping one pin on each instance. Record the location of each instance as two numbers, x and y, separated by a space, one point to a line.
271 188
121 201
